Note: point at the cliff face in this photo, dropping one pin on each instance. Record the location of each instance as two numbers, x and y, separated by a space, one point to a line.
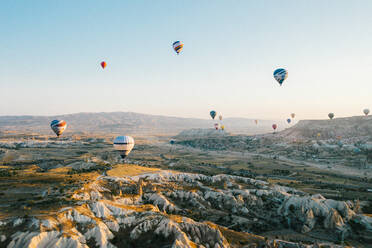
169 209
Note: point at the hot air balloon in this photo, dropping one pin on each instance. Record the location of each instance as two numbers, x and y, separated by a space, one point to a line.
318 134
58 126
123 144
366 111
331 115
293 115
256 121
223 127
213 114
177 46
289 120
172 142
220 117
280 75
103 64
274 127
216 126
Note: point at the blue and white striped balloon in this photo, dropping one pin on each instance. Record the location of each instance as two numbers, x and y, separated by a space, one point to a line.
280 75
213 114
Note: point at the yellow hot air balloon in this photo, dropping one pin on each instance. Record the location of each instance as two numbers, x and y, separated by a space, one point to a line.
223 127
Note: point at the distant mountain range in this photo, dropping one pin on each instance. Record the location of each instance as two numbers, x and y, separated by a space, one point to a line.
129 123
136 123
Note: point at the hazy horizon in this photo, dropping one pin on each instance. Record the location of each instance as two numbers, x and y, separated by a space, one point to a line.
51 53
295 120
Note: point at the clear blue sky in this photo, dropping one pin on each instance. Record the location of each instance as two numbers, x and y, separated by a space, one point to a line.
50 53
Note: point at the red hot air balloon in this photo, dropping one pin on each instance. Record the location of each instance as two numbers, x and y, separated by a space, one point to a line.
274 126
103 64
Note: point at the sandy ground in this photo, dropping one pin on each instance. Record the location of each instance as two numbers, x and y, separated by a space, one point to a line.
129 170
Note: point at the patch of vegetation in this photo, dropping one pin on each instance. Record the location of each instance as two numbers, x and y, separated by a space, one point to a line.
367 209
7 173
87 170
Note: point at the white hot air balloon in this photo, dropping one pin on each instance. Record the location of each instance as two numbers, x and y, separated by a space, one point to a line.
124 144
366 111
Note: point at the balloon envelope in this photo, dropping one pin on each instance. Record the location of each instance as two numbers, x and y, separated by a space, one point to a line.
280 75
177 46
123 144
289 121
366 111
256 121
331 115
216 126
293 115
223 127
274 126
220 117
103 64
58 126
213 114
172 142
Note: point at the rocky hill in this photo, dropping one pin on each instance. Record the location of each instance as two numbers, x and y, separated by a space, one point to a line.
345 142
127 122
339 128
199 132
170 209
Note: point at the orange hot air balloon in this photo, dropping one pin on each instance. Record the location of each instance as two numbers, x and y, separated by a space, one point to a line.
103 64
